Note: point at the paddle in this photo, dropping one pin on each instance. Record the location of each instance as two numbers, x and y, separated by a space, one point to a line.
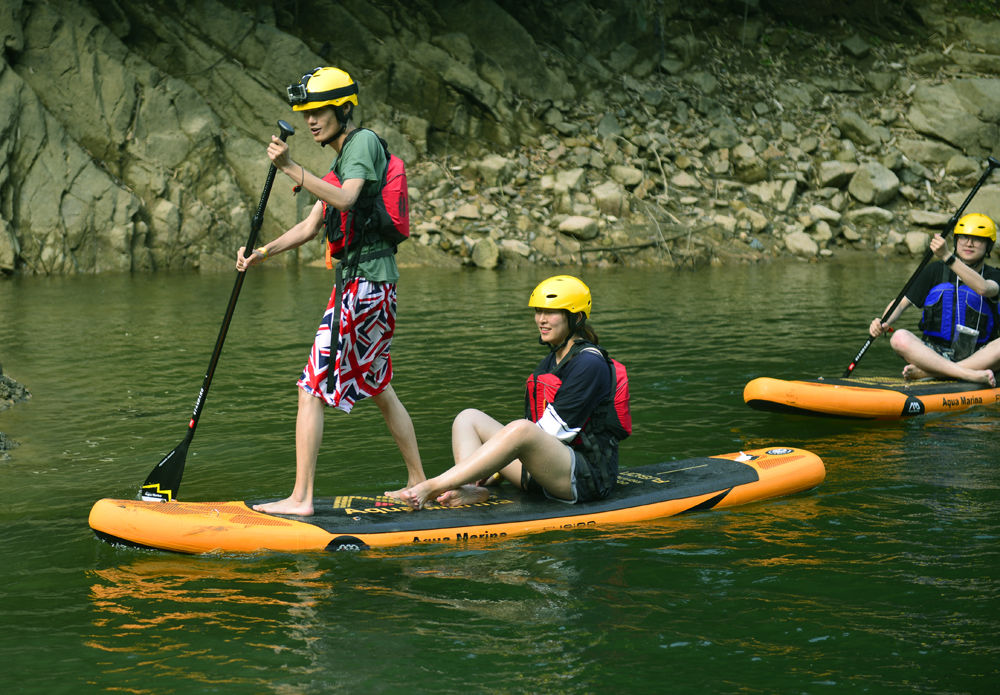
164 480
991 164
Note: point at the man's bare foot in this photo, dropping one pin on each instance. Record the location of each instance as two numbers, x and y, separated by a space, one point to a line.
912 372
467 494
286 506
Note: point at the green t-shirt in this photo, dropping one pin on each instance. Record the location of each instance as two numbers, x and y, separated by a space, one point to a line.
364 158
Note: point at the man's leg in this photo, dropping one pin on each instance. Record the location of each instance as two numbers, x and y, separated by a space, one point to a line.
308 435
401 427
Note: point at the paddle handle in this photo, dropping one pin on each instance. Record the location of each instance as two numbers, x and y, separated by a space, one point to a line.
991 164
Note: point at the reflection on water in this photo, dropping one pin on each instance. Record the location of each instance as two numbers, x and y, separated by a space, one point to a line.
887 570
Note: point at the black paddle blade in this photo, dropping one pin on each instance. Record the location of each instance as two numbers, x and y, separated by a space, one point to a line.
164 481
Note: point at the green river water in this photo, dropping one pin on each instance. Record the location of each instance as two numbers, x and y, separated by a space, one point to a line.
881 580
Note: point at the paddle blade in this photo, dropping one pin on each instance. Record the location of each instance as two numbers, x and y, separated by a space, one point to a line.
164 481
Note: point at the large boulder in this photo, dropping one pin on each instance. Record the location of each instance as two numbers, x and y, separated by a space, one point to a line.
964 113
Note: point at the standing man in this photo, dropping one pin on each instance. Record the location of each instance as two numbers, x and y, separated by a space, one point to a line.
349 360
958 294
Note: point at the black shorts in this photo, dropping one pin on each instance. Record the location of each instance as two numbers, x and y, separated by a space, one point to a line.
588 482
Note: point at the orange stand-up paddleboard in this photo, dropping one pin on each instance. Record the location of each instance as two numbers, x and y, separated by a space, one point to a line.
872 398
358 522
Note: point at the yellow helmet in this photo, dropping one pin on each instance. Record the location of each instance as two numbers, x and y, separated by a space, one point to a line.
561 292
322 87
977 224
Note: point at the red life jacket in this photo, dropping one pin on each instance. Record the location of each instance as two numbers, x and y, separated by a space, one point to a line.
386 214
616 415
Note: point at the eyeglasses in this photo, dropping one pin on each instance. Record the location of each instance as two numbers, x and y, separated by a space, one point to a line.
971 240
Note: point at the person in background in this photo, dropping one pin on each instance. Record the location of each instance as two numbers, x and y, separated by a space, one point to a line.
958 294
349 359
566 447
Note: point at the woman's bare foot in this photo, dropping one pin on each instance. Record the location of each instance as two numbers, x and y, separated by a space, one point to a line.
467 494
987 377
398 494
418 496
288 506
976 376
912 372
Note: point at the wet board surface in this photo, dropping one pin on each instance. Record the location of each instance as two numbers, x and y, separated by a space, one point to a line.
873 398
359 521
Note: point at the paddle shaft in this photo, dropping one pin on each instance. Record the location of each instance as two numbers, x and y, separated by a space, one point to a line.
165 479
991 164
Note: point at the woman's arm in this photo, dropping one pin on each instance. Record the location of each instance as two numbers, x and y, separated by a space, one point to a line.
982 286
878 327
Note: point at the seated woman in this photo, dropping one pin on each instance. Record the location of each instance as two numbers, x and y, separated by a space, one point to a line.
958 294
567 445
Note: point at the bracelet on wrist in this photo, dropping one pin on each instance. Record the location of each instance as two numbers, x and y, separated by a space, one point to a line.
296 189
262 250
950 260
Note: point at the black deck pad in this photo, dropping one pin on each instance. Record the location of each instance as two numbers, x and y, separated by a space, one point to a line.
636 487
921 387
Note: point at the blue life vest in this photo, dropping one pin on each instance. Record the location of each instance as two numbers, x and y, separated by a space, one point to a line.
949 303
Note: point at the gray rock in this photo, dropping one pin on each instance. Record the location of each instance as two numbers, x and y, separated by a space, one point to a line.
873 183
485 254
580 227
871 216
925 218
801 244
916 242
836 174
857 128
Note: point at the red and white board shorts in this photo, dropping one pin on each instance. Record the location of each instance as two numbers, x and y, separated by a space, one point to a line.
362 367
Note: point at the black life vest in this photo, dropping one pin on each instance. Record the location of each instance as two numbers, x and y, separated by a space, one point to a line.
612 414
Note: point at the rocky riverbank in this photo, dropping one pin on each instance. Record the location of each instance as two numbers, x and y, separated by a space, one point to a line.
11 392
593 132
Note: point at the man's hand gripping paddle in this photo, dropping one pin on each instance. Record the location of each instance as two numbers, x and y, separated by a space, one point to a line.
991 164
164 480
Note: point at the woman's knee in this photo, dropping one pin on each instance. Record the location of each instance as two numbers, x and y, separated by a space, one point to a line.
901 340
523 430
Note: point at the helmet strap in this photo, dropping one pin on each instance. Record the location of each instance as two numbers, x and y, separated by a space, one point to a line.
343 118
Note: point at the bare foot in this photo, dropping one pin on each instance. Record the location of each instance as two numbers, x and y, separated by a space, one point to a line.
398 494
976 376
988 377
912 372
417 496
286 506
467 494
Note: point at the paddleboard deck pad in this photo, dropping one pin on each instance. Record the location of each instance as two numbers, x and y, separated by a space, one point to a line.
871 398
358 522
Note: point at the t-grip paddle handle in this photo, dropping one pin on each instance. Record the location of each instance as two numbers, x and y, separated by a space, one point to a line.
164 481
258 219
991 164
